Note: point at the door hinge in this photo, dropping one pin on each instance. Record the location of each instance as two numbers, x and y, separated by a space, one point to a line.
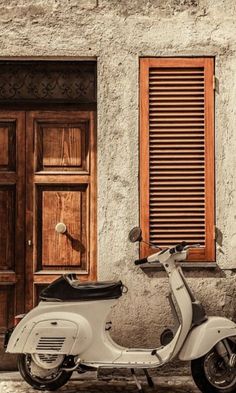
215 232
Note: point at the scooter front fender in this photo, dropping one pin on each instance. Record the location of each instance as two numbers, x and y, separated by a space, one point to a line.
204 337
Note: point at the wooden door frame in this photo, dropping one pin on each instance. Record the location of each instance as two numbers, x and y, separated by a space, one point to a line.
9 109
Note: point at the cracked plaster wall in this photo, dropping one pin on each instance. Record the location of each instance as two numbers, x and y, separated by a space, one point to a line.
118 33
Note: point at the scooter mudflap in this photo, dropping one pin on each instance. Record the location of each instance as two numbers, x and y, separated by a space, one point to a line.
7 336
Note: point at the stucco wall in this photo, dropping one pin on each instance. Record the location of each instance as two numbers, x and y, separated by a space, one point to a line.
118 33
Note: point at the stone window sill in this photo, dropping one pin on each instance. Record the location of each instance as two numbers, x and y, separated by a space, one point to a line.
184 265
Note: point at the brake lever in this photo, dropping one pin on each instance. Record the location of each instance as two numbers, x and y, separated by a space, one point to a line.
193 246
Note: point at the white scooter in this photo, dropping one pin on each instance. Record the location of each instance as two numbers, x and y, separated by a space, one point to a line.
69 331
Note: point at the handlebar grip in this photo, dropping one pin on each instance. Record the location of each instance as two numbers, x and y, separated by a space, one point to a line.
178 248
140 261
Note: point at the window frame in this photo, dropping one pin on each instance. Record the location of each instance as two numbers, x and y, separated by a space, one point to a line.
198 255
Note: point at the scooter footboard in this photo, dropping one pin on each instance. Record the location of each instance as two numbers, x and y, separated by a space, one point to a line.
54 333
203 338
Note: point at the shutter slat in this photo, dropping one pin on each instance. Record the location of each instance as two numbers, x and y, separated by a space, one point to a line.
187 229
170 78
176 116
179 82
172 72
179 225
171 120
175 124
156 140
179 205
176 89
168 216
163 136
158 166
176 103
180 150
177 129
174 100
179 188
176 193
183 198
174 156
177 111
178 162
181 220
175 94
178 183
178 236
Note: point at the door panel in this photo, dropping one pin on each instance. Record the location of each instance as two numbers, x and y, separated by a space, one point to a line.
12 221
61 188
8 145
62 145
4 146
70 206
7 228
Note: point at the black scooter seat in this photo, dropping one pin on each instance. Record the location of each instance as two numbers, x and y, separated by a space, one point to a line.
68 288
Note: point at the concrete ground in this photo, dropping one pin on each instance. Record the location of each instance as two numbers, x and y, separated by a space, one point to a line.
87 383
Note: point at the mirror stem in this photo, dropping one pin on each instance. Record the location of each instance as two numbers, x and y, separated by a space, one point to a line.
151 244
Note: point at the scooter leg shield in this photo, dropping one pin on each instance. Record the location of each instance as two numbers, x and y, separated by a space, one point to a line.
204 337
51 333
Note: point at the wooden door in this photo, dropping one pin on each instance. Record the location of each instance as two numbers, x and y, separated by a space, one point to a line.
61 189
12 221
47 177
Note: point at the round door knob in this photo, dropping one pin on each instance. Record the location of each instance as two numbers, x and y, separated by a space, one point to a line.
60 227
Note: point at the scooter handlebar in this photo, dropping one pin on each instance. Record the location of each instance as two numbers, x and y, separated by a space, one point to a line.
140 261
174 250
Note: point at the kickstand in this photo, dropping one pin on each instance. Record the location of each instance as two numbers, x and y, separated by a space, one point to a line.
138 384
149 379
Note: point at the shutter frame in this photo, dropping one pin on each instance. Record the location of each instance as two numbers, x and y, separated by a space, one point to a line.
208 252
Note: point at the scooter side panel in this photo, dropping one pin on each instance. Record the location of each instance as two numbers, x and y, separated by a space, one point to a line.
52 336
54 332
203 338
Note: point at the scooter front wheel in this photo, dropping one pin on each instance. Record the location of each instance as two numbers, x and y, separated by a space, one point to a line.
44 380
212 375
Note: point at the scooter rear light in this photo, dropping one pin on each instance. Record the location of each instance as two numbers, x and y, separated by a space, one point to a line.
18 318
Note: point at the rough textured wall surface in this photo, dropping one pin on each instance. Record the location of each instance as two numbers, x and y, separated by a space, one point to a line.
118 33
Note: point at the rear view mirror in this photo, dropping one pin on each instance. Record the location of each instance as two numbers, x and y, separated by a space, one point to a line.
135 235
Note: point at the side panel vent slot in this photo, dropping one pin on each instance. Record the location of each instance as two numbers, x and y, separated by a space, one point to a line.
50 343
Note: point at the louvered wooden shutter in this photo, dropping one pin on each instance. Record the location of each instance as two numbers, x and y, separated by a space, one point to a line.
177 154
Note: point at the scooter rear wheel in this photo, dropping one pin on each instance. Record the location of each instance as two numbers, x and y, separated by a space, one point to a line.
212 375
54 382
